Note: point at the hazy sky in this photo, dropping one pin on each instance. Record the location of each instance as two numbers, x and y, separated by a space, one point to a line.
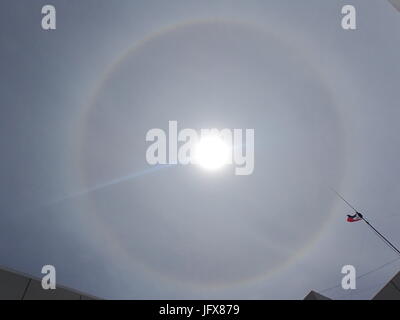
77 103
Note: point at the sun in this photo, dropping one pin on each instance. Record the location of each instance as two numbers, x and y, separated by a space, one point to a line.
211 152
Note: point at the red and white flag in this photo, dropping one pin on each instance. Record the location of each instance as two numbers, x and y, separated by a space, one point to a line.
354 218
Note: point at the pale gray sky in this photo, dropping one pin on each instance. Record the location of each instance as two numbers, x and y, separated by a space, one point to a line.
77 103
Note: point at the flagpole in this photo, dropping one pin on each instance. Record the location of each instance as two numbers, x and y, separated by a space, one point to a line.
338 194
381 235
391 245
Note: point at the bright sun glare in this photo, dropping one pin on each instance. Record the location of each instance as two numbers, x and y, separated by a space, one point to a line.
211 152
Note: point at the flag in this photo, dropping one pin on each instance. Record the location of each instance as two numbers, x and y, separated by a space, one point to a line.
353 218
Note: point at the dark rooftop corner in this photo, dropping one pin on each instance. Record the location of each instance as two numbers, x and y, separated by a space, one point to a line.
391 291
15 286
